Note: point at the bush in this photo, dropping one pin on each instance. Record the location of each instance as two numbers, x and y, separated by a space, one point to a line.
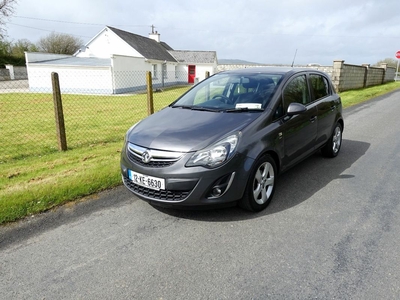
11 60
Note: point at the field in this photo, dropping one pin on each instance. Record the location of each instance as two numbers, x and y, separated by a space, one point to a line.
35 176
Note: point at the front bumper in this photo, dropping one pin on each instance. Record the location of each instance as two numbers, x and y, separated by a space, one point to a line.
190 186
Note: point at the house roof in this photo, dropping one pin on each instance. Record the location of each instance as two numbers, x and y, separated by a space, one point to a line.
147 47
194 57
77 61
166 46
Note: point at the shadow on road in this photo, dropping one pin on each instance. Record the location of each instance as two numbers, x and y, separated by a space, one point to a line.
293 187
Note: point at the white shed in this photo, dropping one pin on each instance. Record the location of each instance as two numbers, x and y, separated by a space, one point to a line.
116 61
196 63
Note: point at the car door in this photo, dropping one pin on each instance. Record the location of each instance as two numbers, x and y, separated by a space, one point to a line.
299 132
326 101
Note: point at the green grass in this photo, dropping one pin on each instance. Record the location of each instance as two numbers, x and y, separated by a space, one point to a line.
35 176
353 97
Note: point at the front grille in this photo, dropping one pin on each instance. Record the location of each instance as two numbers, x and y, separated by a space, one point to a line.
155 158
152 164
164 195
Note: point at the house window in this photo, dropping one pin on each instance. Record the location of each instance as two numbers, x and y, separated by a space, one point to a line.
155 71
164 70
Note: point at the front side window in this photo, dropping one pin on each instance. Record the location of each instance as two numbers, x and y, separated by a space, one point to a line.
279 113
296 91
319 85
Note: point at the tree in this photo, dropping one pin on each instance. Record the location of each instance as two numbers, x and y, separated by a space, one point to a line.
60 43
5 48
390 61
6 10
19 47
7 57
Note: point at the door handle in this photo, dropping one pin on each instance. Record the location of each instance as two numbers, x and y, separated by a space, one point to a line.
333 107
313 119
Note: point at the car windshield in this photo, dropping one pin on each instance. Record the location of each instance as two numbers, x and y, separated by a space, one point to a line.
231 93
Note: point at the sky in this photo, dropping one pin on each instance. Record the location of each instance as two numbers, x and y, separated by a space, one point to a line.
262 31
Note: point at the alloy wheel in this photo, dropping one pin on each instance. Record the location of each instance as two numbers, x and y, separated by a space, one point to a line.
336 139
263 184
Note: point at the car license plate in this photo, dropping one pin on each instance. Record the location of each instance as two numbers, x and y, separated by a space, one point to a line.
150 182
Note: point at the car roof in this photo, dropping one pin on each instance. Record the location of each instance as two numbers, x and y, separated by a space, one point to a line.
270 70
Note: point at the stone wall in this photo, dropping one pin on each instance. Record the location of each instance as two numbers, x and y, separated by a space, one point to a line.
390 73
375 76
344 76
13 73
20 73
4 74
349 77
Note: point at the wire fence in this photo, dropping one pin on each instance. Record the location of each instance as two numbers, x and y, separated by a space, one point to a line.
94 113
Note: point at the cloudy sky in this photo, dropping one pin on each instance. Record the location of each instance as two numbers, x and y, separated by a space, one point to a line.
264 31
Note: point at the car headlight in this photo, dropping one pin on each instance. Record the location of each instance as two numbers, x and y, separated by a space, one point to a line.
216 154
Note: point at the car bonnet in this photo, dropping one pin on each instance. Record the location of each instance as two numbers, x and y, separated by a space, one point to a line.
185 130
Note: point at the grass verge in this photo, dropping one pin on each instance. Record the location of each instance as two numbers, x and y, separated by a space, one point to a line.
353 97
30 184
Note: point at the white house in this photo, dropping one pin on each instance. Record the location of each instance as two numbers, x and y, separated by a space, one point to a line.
116 61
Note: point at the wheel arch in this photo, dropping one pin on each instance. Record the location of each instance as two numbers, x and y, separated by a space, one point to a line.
341 122
274 156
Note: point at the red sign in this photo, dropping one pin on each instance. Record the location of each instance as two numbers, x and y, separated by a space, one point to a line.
398 54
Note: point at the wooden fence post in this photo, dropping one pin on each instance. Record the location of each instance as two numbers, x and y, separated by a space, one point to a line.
150 103
58 111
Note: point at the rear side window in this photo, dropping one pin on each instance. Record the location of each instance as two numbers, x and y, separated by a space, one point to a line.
320 86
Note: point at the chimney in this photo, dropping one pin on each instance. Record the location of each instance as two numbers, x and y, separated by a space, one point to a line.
154 35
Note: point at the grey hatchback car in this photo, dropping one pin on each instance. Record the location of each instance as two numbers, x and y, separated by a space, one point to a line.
227 139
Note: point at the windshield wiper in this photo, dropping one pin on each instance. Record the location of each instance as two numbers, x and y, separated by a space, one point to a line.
241 109
193 107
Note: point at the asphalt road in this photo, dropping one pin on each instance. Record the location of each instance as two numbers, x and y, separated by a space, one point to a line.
331 232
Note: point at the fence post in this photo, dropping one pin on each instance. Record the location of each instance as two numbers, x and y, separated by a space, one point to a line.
58 110
150 103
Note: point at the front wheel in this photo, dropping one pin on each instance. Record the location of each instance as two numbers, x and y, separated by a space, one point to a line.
261 185
332 147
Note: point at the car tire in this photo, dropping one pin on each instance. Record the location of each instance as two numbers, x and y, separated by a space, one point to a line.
332 147
261 185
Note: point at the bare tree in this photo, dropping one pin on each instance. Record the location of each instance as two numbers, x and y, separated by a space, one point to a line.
6 10
60 43
391 62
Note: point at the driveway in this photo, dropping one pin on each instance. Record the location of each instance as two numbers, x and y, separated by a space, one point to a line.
14 86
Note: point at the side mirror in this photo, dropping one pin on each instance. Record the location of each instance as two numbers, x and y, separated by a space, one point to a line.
295 109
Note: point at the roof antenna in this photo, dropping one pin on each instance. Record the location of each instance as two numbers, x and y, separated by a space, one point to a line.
294 57
152 29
